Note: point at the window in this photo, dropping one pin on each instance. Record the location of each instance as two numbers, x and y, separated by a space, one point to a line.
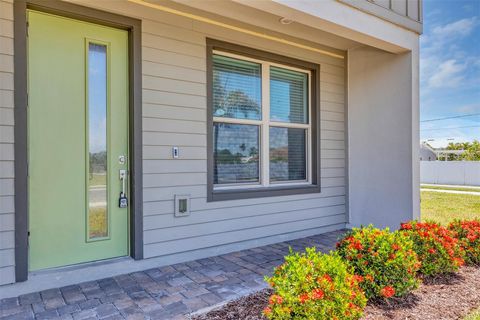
262 135
97 184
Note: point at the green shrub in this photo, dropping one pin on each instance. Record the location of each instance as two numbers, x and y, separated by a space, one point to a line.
384 260
436 246
313 285
468 234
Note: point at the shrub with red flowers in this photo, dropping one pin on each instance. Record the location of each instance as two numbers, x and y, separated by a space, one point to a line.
436 246
384 261
313 285
468 234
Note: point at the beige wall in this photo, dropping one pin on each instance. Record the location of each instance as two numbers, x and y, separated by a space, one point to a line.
7 273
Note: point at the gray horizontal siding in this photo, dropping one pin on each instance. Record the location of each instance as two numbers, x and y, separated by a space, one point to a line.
174 114
7 219
406 13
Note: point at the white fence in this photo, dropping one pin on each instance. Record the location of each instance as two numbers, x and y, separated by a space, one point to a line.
450 172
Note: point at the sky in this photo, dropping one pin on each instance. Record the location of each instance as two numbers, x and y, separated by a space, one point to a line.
450 71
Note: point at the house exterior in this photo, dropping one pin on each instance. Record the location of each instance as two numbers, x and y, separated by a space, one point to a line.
167 131
427 153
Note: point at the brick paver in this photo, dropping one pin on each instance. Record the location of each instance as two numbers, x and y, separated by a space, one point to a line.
170 292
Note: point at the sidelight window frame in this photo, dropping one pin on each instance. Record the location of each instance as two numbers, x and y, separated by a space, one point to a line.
88 111
265 187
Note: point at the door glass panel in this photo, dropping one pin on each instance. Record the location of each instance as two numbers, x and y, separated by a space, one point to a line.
97 142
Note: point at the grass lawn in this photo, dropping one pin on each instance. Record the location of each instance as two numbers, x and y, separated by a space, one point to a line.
451 188
475 315
444 207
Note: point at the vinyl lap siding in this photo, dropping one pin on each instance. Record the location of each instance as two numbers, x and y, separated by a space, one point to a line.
174 114
7 239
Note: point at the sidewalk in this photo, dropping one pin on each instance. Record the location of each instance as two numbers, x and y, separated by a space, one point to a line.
450 186
452 191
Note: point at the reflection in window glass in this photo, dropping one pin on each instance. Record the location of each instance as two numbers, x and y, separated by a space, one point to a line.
97 141
236 88
236 158
287 154
288 96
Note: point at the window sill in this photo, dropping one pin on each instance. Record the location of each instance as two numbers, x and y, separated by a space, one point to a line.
258 192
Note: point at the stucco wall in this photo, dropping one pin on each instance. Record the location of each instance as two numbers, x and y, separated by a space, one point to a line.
381 113
7 239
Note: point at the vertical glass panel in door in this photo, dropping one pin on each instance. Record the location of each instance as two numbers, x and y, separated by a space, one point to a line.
97 142
237 89
235 153
287 154
288 95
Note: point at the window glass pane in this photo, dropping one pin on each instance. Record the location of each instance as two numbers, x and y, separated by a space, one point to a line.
236 158
287 154
97 141
288 96
236 88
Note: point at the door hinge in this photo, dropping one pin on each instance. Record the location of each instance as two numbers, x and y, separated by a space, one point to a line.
28 169
28 25
27 100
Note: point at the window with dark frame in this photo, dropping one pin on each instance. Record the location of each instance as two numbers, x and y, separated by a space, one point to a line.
263 125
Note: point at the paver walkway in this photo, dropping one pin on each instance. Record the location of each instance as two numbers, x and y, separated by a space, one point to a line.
171 292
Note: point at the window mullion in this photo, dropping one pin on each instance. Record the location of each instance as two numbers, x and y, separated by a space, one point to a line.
265 141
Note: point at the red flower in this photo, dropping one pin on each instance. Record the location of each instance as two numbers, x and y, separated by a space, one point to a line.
267 311
458 261
432 251
387 291
303 298
358 278
275 299
357 245
317 294
406 226
395 246
327 277
472 237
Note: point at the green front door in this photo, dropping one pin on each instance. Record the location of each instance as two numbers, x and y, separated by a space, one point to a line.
77 141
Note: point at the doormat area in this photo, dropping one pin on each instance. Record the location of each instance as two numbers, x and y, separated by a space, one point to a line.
449 297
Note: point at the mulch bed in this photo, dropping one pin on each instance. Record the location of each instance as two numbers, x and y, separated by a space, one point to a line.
447 297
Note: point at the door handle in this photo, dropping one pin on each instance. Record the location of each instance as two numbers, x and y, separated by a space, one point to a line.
122 201
123 177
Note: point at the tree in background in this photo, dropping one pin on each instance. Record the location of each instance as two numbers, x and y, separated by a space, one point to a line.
472 150
472 153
